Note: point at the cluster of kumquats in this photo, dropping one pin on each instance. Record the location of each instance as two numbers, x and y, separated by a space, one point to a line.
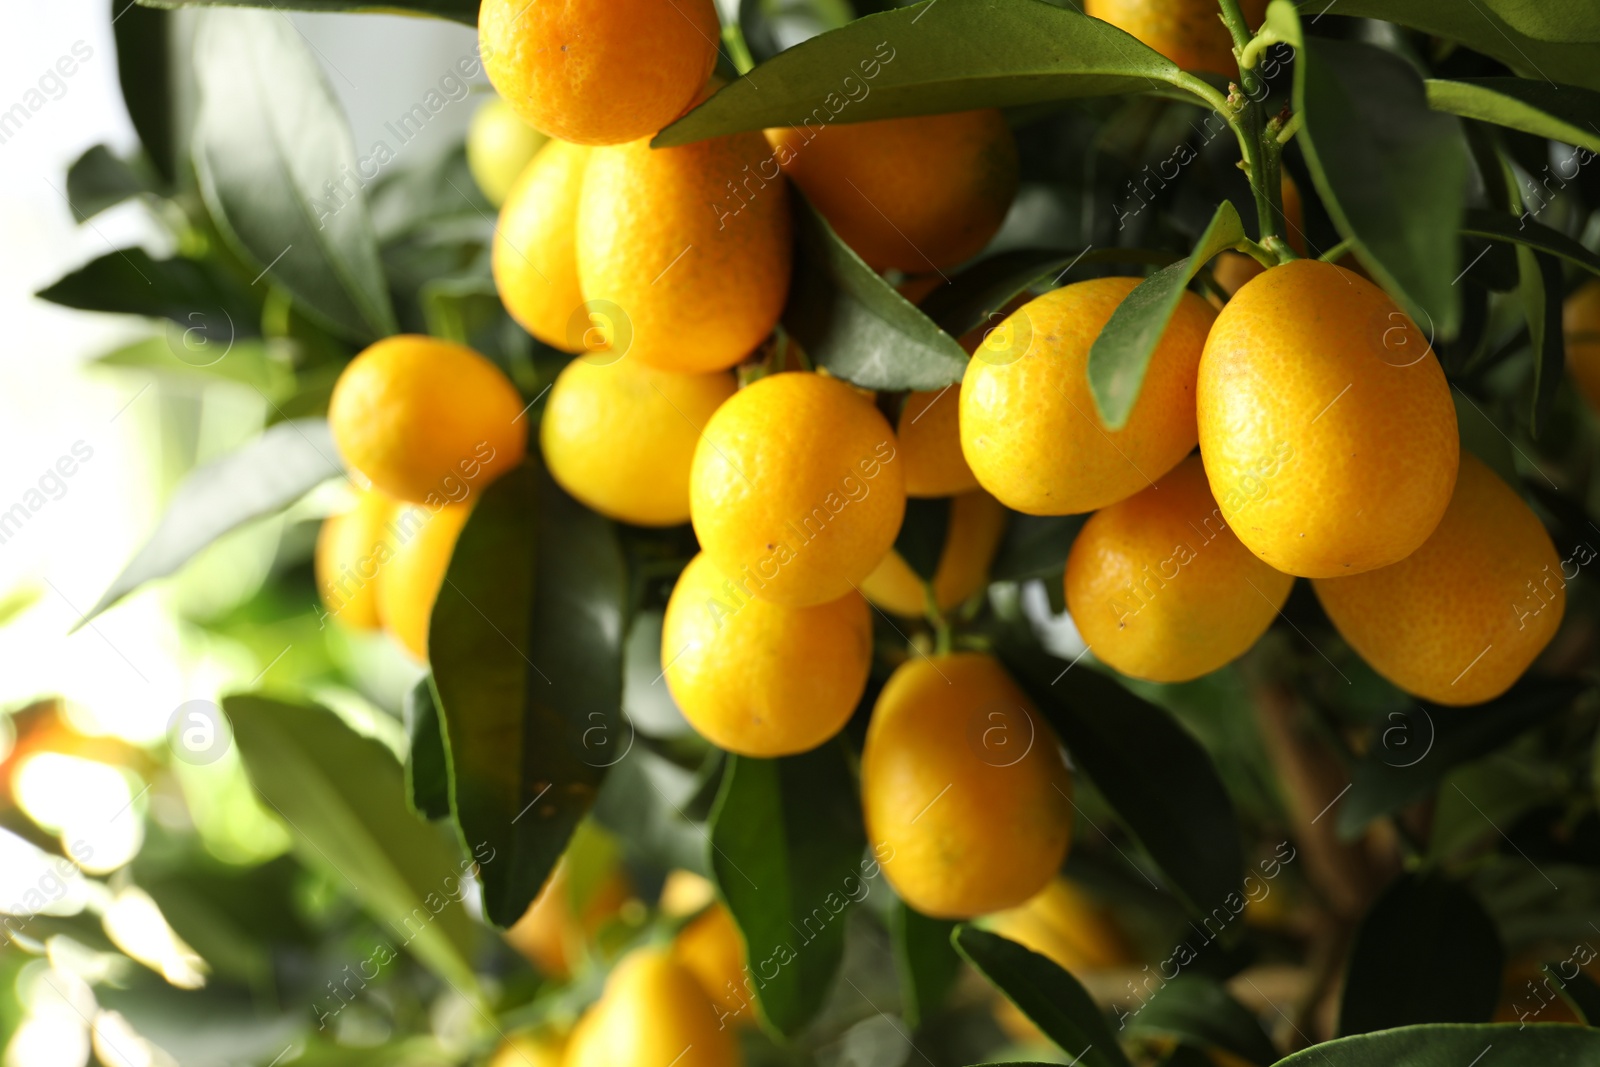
1328 449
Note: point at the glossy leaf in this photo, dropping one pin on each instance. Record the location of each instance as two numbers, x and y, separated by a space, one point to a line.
1415 750
925 960
145 74
1427 952
262 478
1446 1045
1499 226
427 764
786 848
1051 998
248 362
1560 112
1573 20
1121 353
978 293
853 323
1482 29
1392 173
1197 1010
526 647
342 797
1156 777
1540 289
209 310
98 180
268 140
928 58
463 11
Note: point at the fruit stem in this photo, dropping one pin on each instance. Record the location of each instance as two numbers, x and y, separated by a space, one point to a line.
941 625
1257 252
1332 255
1259 144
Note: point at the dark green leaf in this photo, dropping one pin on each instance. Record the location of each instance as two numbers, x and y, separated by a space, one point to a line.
786 845
262 478
98 180
1035 546
1199 1011
978 292
144 70
1566 62
1054 1000
1392 173
644 801
1560 112
1419 747
526 647
343 798
1445 1045
427 765
1540 289
1499 226
1427 952
1156 777
1581 992
1121 354
209 309
852 322
922 535
932 57
278 172
925 959
1571 20
464 11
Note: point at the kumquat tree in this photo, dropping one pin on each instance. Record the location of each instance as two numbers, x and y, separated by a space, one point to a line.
808 533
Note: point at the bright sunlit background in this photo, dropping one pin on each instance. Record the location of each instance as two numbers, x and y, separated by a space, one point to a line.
110 689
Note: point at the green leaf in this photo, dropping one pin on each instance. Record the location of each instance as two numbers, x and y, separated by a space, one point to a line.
1571 20
1054 1000
1564 61
1121 354
262 478
343 798
210 309
786 845
1197 1010
1035 546
1540 289
278 172
1419 747
925 959
526 647
1156 777
922 535
1560 112
644 801
427 765
978 292
1427 952
1392 173
1447 1045
932 57
1581 992
144 71
98 180
852 322
1499 226
248 362
463 11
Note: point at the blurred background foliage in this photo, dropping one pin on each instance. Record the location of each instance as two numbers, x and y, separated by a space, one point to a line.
285 904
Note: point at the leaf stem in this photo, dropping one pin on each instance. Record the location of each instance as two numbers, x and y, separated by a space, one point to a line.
1332 255
738 48
1257 252
1290 128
